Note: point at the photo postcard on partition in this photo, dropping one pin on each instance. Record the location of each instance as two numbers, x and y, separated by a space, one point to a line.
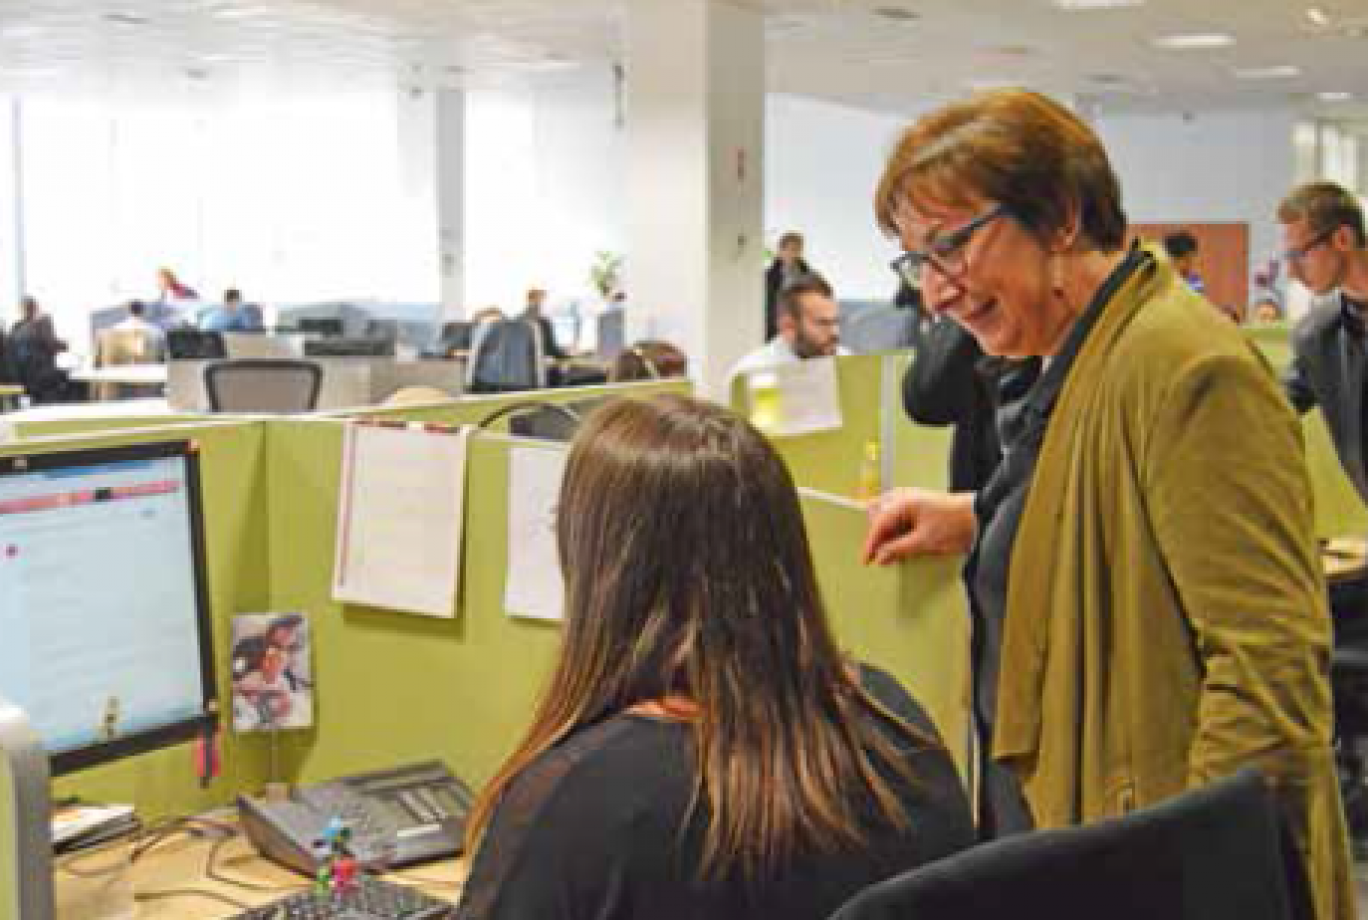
272 672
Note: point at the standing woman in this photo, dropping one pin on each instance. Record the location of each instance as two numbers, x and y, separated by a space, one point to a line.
1149 612
702 750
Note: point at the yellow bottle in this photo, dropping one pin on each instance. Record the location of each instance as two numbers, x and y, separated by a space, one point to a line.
871 482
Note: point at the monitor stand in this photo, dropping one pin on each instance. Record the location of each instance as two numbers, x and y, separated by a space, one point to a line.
25 820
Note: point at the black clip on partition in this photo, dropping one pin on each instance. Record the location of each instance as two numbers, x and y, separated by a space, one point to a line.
509 409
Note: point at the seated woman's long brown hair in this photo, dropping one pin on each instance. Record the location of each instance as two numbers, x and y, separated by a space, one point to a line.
691 594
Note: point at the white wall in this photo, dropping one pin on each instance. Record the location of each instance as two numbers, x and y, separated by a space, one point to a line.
544 186
539 213
1209 166
822 163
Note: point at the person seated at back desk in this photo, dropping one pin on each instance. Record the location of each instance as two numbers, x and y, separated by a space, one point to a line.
232 315
533 313
703 748
809 327
153 335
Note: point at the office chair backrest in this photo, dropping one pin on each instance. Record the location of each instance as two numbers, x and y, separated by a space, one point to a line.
274 386
506 356
876 329
1217 853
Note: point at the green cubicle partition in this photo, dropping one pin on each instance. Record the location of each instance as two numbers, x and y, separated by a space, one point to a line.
394 687
9 883
96 424
910 619
1339 510
914 455
832 461
470 410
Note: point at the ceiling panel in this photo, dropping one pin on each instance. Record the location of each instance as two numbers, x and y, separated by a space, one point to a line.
886 54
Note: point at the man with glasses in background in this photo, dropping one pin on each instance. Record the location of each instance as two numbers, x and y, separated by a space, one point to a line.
809 327
1327 250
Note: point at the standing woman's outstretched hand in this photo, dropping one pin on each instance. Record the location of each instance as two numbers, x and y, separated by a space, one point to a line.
905 523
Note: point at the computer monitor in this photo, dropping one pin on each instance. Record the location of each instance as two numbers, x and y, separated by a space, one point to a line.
321 325
103 600
195 344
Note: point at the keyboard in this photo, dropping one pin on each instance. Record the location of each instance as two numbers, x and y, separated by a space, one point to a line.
369 899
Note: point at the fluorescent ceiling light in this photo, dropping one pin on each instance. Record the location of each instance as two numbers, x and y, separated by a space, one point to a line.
1318 17
1195 40
1334 97
1097 4
1276 72
22 31
242 12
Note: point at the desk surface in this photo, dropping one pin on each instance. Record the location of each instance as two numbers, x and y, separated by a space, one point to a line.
172 880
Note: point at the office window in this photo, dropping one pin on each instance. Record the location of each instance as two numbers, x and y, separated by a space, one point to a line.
291 198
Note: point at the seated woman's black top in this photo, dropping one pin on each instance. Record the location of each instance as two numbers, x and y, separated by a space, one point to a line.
599 828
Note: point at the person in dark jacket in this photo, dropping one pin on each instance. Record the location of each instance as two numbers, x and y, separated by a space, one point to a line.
32 348
787 266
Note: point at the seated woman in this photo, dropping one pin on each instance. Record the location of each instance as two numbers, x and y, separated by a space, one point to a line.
702 750
648 360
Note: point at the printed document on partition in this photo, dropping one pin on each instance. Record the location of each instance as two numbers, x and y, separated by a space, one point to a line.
400 516
801 397
534 586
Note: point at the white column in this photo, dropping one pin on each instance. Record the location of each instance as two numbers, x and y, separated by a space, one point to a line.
12 256
695 124
431 126
451 236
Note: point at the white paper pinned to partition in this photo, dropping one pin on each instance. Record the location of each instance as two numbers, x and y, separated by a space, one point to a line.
400 516
534 586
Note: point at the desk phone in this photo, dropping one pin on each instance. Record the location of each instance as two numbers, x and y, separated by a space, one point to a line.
397 818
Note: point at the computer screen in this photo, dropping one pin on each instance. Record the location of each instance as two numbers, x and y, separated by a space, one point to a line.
103 603
321 325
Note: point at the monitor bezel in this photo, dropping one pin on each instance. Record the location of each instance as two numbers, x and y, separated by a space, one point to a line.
163 736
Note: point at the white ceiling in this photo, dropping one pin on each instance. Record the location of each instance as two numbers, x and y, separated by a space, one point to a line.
841 50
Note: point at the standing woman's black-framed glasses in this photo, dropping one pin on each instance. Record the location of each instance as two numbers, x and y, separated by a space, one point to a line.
948 255
1297 253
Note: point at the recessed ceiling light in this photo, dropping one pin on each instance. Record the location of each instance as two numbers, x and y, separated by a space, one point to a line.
1276 72
1097 4
1318 17
1195 40
241 12
897 14
33 72
22 31
1334 97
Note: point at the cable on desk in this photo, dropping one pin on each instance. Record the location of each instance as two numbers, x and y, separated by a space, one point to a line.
211 871
190 893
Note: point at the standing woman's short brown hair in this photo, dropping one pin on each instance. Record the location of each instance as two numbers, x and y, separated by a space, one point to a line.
1016 148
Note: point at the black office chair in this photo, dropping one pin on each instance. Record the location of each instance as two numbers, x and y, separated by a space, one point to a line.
275 386
1217 853
1349 683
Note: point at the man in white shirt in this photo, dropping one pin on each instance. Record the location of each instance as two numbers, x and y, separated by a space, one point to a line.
809 327
137 320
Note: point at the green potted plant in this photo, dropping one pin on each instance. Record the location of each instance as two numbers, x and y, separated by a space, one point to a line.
605 273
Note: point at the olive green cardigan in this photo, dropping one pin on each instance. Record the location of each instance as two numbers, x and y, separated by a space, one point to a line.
1166 614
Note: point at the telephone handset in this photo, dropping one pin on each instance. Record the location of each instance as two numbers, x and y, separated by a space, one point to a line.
397 817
